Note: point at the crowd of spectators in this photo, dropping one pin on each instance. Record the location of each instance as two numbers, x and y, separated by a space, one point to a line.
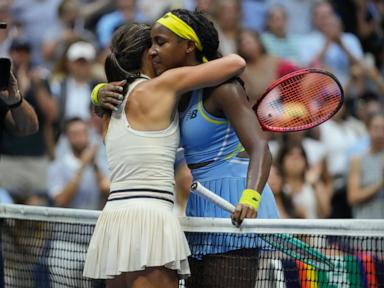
58 47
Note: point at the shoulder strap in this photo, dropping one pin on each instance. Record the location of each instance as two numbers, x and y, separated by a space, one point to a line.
121 111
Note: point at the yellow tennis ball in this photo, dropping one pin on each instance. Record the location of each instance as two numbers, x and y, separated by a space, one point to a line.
294 110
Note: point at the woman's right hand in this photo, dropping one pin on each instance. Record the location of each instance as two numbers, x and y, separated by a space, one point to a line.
110 95
11 94
241 212
88 155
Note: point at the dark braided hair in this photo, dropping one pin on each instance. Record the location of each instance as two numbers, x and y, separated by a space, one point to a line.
204 29
128 44
207 33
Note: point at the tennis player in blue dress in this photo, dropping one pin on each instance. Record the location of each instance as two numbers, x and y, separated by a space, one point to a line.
212 141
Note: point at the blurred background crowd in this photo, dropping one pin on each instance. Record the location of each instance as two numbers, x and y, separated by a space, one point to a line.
58 49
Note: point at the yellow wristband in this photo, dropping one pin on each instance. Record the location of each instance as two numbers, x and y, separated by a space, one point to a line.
95 93
251 198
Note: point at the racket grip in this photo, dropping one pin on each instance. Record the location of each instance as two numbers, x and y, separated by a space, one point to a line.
200 190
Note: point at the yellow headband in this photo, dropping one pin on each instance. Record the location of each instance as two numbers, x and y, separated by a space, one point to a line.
181 29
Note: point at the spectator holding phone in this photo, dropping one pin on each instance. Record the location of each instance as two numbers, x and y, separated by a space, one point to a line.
24 161
16 114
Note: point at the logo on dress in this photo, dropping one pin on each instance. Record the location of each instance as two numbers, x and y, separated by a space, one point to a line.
193 114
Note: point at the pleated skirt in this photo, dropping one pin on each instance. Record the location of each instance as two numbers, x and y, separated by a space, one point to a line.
228 180
133 234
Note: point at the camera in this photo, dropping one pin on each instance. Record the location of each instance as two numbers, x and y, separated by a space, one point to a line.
5 71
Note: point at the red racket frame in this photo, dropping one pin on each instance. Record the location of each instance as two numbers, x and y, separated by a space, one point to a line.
287 77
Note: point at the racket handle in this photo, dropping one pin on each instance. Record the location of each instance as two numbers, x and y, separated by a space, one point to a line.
200 190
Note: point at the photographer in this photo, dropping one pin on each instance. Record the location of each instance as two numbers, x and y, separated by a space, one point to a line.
16 115
24 161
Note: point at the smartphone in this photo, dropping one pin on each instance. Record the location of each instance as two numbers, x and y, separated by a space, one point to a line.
5 71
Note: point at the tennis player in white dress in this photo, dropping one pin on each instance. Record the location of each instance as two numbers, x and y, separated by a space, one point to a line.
137 241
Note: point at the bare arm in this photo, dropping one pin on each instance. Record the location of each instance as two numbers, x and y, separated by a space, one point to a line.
175 82
232 100
355 192
322 199
181 80
153 102
21 120
352 59
69 191
318 177
320 56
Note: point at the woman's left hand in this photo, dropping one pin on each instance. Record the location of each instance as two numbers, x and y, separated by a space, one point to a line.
241 212
110 95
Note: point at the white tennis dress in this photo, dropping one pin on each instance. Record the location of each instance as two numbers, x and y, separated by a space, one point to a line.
137 228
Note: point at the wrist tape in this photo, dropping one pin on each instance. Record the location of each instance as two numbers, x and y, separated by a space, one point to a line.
251 198
95 92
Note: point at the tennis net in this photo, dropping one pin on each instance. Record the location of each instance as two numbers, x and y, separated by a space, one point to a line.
46 247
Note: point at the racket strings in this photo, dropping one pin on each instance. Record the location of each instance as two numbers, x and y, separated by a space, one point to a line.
313 96
316 89
300 102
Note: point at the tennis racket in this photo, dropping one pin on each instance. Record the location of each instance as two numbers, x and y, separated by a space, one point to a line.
300 100
285 243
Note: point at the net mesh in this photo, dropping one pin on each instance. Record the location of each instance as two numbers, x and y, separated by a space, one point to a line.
46 247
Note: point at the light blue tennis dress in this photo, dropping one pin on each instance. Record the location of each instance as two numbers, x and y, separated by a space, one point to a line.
208 138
